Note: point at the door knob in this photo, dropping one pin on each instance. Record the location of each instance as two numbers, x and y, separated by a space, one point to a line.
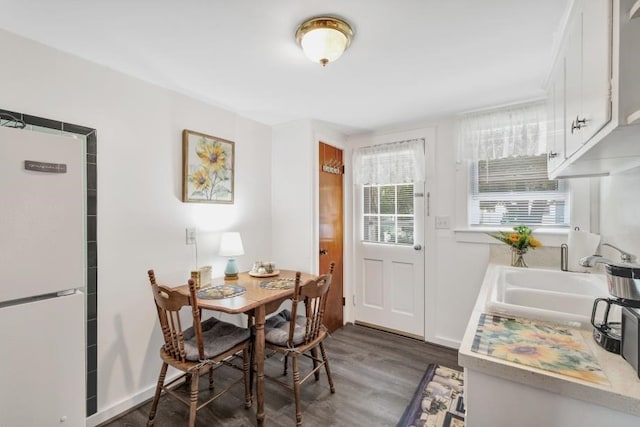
417 247
323 251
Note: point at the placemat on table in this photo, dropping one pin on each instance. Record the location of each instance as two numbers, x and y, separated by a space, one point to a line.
221 291
284 283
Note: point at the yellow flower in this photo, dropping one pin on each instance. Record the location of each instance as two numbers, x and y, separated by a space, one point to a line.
514 237
526 353
211 154
520 238
534 243
200 179
554 340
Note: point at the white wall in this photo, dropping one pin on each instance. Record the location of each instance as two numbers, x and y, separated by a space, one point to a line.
141 220
295 180
619 207
292 186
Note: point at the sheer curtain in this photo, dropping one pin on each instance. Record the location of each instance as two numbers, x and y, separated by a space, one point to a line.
394 163
518 130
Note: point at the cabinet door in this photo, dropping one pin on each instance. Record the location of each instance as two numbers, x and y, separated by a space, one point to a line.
573 81
596 65
555 116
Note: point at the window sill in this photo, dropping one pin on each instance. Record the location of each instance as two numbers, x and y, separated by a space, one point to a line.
552 237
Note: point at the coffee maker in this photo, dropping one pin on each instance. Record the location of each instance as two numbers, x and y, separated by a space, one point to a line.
623 282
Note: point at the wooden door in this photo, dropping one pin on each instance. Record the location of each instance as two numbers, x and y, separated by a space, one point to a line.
331 229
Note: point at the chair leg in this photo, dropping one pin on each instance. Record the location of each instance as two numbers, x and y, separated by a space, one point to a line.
211 378
156 396
195 379
246 362
252 371
286 364
314 358
326 367
296 390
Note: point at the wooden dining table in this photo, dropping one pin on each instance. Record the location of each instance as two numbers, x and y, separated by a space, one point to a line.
257 302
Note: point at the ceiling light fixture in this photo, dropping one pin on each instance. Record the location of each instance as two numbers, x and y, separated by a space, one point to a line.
324 38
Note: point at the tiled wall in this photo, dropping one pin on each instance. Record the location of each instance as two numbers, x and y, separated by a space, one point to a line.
89 136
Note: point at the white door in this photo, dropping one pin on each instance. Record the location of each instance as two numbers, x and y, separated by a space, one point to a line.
390 257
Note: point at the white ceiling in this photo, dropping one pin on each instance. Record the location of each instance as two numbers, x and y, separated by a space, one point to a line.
410 59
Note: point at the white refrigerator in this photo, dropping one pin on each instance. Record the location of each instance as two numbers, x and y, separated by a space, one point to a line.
42 279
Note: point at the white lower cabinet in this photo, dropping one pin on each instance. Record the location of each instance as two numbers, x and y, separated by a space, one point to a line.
494 401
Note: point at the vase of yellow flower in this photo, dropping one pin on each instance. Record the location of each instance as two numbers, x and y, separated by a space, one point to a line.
517 257
520 240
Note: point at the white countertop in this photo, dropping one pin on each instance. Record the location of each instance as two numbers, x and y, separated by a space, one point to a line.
623 394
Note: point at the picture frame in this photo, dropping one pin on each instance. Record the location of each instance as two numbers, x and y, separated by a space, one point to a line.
207 168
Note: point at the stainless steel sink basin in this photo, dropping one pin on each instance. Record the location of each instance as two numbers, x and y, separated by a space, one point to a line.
550 295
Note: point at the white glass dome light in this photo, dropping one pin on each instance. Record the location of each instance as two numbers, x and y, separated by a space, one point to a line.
323 39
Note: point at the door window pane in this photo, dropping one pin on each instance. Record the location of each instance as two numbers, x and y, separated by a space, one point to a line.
388 215
370 200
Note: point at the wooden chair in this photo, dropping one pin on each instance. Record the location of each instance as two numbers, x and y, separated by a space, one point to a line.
304 335
199 349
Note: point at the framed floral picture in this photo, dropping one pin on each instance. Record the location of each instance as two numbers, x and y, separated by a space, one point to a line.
207 168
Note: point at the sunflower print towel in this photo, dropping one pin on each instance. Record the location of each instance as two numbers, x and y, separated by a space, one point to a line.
549 347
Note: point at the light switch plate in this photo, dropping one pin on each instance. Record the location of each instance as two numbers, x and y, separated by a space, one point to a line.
190 236
442 222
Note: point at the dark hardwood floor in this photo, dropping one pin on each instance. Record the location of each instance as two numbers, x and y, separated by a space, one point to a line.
375 375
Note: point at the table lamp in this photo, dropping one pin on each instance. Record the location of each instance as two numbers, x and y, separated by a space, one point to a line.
231 246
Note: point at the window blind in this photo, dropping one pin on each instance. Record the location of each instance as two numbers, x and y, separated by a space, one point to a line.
516 190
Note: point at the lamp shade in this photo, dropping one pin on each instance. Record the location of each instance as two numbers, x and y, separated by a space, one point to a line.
323 39
231 244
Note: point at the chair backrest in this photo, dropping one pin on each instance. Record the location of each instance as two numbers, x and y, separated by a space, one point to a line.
169 302
313 293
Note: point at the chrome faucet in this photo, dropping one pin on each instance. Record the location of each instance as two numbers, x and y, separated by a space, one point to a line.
624 255
590 261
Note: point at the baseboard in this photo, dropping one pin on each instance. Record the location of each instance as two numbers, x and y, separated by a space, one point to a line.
446 342
125 405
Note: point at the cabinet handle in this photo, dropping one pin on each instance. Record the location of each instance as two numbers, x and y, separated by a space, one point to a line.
578 123
552 155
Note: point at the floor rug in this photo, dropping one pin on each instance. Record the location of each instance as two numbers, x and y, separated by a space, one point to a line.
438 400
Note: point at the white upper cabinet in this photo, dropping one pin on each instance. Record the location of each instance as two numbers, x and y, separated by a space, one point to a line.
573 81
595 85
556 117
596 68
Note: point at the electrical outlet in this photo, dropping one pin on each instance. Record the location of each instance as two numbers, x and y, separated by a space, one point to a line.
442 222
191 236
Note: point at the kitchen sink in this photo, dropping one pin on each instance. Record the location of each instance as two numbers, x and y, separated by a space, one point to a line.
549 295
